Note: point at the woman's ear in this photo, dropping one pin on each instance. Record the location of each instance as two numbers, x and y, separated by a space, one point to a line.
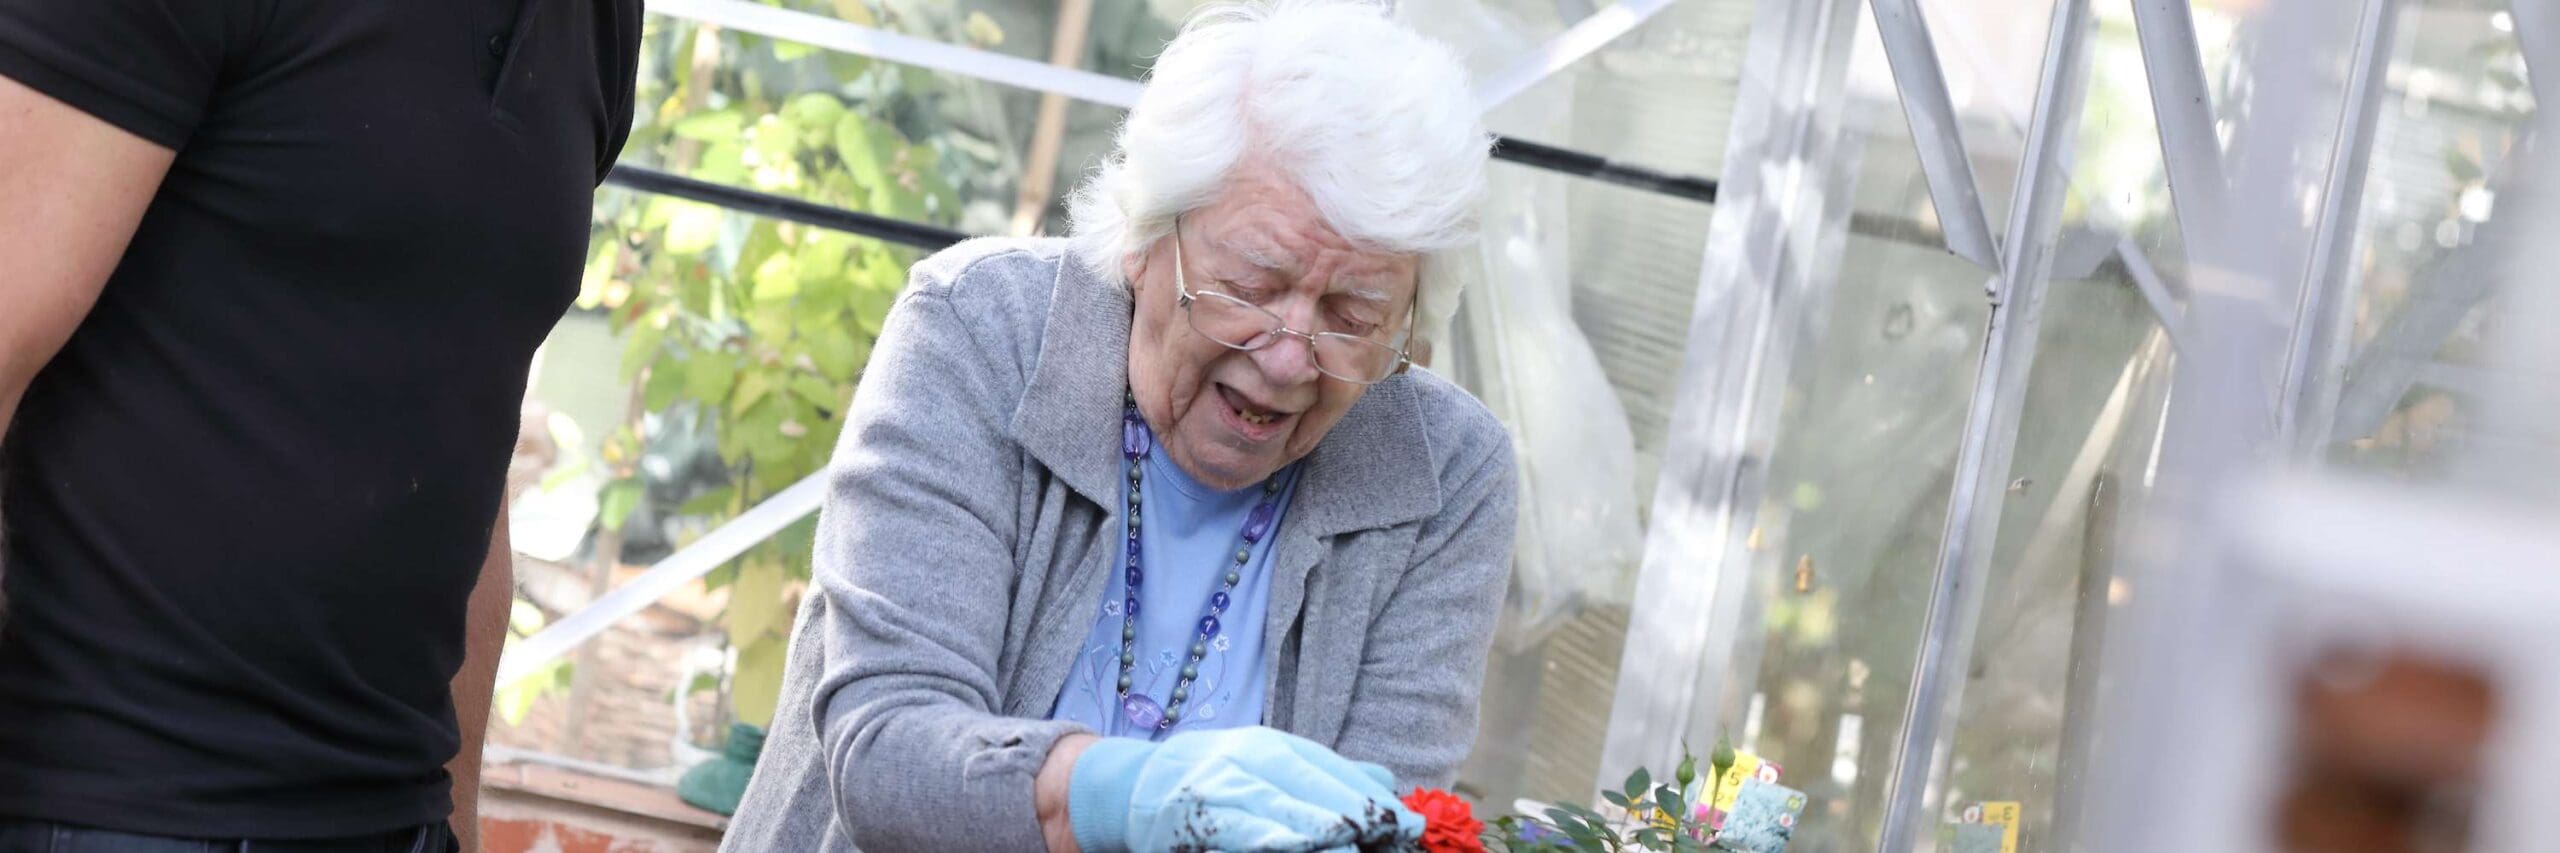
1133 267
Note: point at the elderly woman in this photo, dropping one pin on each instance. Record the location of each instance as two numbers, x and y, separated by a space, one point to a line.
1148 537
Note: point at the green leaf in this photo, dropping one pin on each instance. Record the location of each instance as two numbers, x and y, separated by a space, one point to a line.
716 126
711 502
666 383
707 377
771 321
791 51
757 683
693 229
640 346
871 309
883 272
1637 782
755 602
822 259
725 162
1670 801
601 258
1618 799
858 144
619 499
816 390
523 618
720 577
752 386
660 211
774 141
694 294
759 429
982 30
777 279
813 109
839 356
513 701
890 199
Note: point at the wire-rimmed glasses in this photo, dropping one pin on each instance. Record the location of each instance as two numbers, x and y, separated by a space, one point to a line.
1240 325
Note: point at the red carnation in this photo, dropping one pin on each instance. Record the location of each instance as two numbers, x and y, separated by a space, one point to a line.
1449 825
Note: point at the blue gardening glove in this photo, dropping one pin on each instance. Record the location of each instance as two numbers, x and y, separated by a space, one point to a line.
1231 789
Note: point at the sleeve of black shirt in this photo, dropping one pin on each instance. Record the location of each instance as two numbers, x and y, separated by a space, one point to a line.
150 67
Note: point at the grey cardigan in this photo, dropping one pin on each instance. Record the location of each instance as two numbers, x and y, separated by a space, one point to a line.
971 519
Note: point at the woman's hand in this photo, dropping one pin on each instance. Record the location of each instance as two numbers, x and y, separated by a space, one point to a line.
1049 792
1233 789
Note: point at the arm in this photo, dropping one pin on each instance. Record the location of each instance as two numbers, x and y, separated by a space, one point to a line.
1414 706
72 190
484 635
915 558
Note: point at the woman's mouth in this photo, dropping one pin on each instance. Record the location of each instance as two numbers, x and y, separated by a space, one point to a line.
1254 421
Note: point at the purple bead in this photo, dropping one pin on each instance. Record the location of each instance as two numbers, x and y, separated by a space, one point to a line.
1259 523
1141 711
1135 577
1208 626
1133 438
1133 606
1218 603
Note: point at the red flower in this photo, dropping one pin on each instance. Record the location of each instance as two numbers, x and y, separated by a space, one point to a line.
1449 825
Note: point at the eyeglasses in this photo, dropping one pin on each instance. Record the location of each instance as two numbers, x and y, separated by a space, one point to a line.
1240 325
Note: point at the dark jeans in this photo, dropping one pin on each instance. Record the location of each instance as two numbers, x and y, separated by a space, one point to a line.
33 837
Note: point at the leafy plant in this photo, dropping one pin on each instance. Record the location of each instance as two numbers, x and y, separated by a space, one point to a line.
752 331
1654 816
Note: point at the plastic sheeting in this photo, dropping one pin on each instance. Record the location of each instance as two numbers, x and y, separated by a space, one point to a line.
1515 345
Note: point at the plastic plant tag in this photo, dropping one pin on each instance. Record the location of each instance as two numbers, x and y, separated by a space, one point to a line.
2003 814
1763 818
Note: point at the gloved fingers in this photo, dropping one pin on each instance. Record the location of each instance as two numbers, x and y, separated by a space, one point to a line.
1372 781
1272 821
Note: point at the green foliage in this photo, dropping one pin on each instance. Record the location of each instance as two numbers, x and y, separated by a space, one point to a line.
758 328
1655 817
513 700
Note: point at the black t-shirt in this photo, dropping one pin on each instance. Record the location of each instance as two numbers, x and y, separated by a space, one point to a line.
247 501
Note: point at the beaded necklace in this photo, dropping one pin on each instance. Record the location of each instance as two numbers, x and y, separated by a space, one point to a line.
1137 442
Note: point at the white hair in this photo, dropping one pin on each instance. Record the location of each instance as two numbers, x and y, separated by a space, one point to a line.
1374 122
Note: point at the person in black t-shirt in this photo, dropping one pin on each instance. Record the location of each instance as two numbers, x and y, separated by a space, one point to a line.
271 275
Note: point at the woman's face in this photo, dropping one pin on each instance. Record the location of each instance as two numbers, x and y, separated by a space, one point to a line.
1231 418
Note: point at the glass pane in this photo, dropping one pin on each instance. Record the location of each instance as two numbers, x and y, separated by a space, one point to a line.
898 141
1845 542
1658 97
1602 269
1991 53
2092 408
1121 36
702 372
2430 236
1635 258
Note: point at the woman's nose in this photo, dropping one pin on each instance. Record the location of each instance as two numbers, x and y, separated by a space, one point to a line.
1288 361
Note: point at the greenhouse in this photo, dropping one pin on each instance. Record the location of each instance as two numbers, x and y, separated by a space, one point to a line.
1983 425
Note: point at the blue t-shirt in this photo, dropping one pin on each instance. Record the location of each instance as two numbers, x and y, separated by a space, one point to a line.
1188 540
